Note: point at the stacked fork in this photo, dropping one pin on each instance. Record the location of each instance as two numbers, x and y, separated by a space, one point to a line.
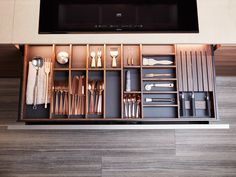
47 70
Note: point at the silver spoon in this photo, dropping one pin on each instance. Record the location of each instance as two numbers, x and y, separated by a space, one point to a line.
37 62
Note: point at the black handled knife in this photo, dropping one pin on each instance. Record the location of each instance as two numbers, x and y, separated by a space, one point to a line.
193 105
208 104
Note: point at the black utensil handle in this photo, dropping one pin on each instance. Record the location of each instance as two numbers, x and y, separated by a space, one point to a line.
193 105
171 100
183 105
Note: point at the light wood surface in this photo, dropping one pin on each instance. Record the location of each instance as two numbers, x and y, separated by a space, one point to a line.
217 24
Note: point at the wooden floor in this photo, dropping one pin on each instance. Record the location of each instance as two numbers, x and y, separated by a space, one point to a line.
133 153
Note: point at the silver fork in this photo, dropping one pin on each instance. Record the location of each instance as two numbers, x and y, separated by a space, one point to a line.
47 70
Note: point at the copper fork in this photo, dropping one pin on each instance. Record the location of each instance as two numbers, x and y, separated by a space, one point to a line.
47 70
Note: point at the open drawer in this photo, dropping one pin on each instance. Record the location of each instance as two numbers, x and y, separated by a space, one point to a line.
120 83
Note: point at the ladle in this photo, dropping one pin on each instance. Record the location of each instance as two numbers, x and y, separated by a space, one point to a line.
37 62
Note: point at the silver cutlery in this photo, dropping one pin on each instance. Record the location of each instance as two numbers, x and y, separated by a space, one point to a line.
133 106
152 62
125 100
149 87
37 62
130 107
138 106
100 90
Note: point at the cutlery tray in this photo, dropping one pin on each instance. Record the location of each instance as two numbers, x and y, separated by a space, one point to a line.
181 84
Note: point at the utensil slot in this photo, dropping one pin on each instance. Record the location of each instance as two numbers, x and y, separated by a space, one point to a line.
113 94
159 99
160 112
95 82
61 94
135 80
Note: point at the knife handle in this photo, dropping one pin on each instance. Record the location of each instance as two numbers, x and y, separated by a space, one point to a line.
208 104
193 105
183 105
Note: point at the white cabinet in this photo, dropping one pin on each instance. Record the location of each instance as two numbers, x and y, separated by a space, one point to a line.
26 21
6 20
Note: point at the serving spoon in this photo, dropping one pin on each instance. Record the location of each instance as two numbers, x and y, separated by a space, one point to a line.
37 62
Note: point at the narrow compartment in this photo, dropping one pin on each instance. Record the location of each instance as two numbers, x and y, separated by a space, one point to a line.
132 106
95 92
113 56
78 94
158 49
164 61
132 84
113 94
131 56
44 51
160 112
160 73
28 111
96 56
79 55
60 105
62 54
159 99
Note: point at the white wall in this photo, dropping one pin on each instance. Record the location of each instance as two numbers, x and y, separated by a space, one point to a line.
217 22
6 20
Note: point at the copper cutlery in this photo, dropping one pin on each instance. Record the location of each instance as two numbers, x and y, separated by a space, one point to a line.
158 75
114 54
91 88
77 94
61 99
132 106
74 88
95 89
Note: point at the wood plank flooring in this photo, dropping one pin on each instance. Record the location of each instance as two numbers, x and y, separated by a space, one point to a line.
115 153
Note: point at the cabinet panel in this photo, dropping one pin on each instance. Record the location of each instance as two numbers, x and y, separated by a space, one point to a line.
6 20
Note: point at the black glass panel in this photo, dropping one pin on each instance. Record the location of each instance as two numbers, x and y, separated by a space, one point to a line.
74 16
